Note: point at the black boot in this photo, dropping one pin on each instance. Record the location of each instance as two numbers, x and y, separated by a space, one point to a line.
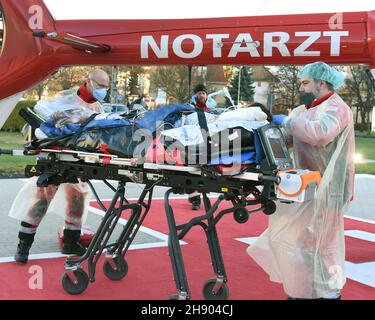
71 244
23 247
195 202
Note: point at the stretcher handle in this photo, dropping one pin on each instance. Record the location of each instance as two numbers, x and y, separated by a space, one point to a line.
12 152
275 179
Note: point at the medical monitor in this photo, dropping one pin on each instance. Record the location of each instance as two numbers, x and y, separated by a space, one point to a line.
274 147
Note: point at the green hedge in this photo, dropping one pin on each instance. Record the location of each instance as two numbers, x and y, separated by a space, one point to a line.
15 122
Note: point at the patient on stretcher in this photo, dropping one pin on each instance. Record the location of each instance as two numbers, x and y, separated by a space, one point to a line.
175 131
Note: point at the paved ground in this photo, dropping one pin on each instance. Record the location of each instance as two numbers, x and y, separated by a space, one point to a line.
364 197
46 240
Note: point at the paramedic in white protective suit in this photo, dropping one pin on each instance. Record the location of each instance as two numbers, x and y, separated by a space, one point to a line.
32 202
303 247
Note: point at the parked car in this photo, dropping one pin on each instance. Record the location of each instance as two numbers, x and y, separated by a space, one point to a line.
117 108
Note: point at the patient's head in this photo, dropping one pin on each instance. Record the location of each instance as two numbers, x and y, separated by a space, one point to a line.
263 108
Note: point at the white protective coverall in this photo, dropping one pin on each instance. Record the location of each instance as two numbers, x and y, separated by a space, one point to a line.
69 201
303 247
64 101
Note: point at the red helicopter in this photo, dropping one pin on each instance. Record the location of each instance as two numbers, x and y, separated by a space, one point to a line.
32 51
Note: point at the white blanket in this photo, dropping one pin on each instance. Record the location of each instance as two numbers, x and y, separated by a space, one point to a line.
190 133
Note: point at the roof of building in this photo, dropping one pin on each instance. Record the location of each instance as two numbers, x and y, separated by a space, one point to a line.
215 74
261 73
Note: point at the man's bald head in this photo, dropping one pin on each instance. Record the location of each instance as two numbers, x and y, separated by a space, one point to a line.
100 77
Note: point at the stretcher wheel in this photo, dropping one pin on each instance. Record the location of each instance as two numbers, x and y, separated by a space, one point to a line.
222 294
269 208
75 288
241 215
120 271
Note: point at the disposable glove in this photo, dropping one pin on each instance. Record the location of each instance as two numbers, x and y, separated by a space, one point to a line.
278 118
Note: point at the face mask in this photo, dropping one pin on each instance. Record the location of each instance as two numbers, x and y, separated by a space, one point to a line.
98 93
211 103
306 98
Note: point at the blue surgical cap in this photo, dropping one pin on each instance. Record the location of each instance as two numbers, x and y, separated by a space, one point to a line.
322 71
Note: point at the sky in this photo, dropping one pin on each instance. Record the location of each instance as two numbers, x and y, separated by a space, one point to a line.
179 9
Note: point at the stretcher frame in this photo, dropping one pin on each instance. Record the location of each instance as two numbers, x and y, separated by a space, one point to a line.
56 166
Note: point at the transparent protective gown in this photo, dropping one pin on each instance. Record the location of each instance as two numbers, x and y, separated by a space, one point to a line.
303 247
67 106
70 201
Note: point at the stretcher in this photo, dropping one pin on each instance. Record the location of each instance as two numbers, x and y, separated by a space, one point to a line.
250 189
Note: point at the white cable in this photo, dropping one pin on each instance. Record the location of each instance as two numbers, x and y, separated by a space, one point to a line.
261 7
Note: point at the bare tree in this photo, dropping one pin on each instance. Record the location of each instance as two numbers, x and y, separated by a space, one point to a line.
287 86
173 80
68 77
363 92
130 85
38 90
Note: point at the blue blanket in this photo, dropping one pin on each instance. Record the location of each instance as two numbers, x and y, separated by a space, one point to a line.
167 115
